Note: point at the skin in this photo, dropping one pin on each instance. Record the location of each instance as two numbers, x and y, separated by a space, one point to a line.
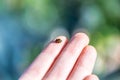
64 60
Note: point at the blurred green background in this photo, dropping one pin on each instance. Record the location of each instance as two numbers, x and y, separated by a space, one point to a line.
26 26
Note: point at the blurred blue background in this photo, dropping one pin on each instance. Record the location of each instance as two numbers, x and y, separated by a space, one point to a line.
26 26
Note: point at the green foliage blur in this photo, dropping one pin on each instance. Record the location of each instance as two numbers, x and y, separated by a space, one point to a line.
27 26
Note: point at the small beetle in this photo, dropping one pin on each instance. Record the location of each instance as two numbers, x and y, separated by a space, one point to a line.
58 41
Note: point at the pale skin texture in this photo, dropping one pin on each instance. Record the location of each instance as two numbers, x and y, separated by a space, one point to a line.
67 60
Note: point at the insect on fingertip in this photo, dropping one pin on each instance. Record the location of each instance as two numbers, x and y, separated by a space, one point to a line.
58 41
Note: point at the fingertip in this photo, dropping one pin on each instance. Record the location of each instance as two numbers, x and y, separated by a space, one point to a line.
83 35
91 77
91 50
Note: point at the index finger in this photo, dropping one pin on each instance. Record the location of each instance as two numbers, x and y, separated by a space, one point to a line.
43 62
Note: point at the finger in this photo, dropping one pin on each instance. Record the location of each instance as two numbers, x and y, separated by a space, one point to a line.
91 77
68 57
43 62
84 64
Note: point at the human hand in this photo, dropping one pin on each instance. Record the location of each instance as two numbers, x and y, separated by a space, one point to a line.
63 60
